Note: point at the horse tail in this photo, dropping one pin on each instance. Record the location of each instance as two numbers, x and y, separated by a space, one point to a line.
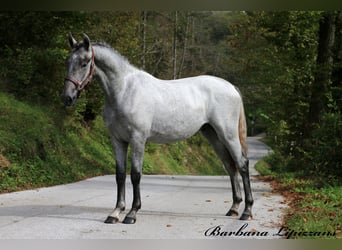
242 127
243 130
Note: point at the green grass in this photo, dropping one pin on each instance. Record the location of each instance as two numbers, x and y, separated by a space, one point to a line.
40 147
36 150
319 210
314 207
263 167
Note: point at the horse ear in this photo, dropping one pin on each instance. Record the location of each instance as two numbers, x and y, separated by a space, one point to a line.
86 41
72 41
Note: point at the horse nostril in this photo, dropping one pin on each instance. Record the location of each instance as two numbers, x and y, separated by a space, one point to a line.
67 100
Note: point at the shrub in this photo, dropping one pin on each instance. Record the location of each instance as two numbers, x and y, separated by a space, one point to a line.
327 151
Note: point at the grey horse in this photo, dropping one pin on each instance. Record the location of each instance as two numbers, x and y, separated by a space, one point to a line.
140 108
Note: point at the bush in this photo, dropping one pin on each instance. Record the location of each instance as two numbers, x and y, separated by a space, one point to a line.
318 157
327 151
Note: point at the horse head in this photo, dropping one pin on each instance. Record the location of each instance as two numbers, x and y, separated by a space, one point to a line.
80 69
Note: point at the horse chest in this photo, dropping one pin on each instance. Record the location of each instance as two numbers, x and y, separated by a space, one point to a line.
117 123
122 123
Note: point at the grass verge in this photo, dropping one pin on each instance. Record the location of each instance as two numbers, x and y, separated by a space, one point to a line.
315 210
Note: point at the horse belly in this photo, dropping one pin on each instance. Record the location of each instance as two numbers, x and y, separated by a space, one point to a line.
176 126
173 135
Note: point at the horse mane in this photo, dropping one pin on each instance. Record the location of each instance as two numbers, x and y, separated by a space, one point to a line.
107 46
102 44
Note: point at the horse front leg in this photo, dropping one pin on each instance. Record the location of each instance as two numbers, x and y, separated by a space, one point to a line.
120 149
137 148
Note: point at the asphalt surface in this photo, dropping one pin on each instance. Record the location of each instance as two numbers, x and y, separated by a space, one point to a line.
173 207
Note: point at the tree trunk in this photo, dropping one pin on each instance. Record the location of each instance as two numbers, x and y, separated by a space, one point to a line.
175 45
185 46
143 38
320 86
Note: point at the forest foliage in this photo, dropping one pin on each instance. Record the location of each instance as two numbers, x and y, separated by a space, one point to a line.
288 66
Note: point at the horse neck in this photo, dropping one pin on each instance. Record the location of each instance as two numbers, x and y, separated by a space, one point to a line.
110 69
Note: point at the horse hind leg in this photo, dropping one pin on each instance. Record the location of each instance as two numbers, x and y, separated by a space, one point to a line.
229 165
244 171
230 138
241 161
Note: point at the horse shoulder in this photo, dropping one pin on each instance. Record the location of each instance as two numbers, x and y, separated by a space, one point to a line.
135 103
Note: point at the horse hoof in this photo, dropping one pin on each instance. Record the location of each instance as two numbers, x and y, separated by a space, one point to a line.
246 217
111 220
129 220
232 213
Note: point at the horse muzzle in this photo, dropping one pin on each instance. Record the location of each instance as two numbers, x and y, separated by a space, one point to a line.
69 95
68 100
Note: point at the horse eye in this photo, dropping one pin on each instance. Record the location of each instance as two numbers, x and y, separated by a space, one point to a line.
84 65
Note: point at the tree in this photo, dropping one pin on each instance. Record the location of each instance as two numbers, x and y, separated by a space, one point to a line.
321 85
303 111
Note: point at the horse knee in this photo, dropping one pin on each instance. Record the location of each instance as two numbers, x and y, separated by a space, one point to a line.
120 178
135 177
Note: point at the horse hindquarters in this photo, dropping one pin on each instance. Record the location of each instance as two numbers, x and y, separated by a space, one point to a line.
229 165
231 132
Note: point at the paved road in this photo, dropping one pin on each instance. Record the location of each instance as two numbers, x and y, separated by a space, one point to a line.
178 207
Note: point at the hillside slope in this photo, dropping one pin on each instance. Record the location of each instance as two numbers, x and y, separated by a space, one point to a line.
39 147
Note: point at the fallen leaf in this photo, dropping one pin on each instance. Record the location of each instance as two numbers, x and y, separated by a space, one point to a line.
305 219
168 225
207 200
